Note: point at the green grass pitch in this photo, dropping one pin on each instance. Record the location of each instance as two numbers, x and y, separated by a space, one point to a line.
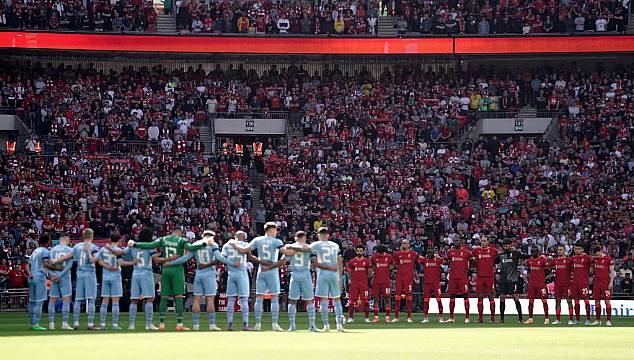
361 341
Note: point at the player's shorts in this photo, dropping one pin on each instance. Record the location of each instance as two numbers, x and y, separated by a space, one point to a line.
431 291
173 281
404 286
381 289
458 286
37 289
267 282
86 287
111 287
579 291
63 287
328 284
301 286
601 292
485 285
205 283
359 291
509 287
142 285
562 291
238 285
536 291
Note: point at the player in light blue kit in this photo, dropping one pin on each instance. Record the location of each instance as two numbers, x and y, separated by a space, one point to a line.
111 286
237 280
39 264
142 279
86 285
61 285
268 278
301 285
329 266
205 284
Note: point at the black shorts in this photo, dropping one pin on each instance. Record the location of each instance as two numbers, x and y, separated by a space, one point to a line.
509 287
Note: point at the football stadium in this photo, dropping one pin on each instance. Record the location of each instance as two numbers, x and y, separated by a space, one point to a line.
335 179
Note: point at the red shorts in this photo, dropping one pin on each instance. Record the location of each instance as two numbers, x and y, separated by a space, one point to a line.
562 291
458 286
380 289
485 285
404 286
601 292
579 291
358 291
431 291
536 291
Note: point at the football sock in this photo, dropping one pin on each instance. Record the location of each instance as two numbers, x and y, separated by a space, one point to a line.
196 318
310 309
502 308
492 308
439 301
376 308
338 311
275 309
518 307
425 307
103 312
531 303
351 307
480 309
587 309
558 313
244 308
211 318
466 307
132 313
292 311
37 312
259 305
367 309
608 312
571 312
115 313
65 311
76 310
597 310
162 309
577 310
231 304
91 312
452 305
30 308
545 305
323 308
179 310
51 311
409 305
397 306
149 313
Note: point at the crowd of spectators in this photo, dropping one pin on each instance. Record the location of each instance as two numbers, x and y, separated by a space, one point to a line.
379 161
326 17
75 15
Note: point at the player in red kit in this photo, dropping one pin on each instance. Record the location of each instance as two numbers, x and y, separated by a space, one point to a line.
563 272
431 282
358 269
581 263
485 281
458 258
602 289
381 264
406 261
537 265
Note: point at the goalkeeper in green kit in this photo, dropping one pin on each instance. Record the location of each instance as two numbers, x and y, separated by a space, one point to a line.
173 279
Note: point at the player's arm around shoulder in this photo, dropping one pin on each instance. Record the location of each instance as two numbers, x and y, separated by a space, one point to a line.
192 247
146 245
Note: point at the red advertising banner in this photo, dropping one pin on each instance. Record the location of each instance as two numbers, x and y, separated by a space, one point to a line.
219 44
543 44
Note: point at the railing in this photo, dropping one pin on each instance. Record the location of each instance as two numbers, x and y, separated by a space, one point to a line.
14 299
